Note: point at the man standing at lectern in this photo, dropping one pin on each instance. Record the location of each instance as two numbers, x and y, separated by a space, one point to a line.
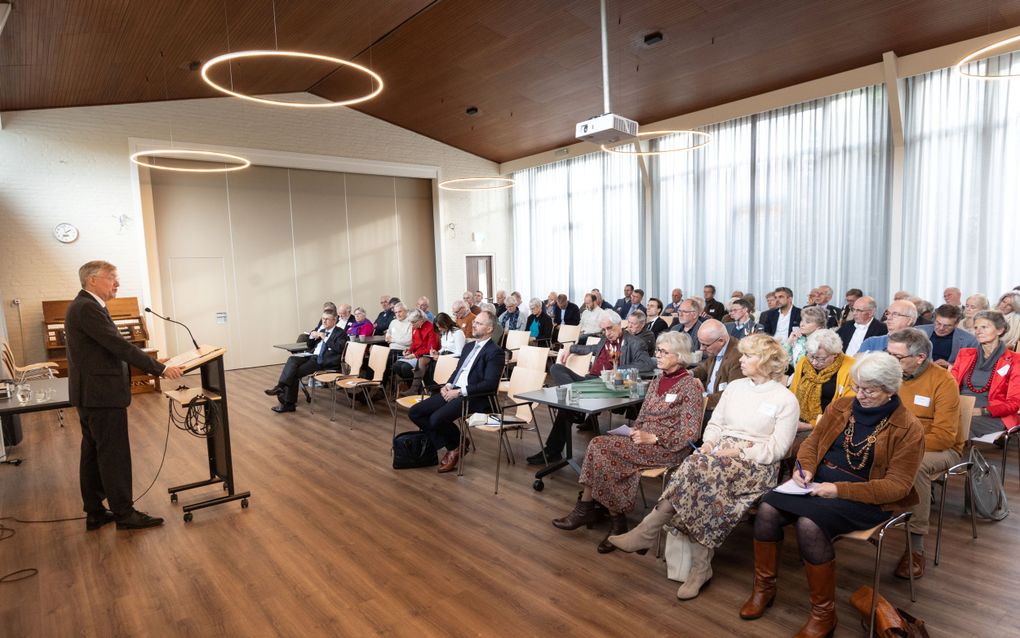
99 385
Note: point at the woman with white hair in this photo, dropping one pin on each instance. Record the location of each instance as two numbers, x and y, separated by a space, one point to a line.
974 304
859 465
539 324
812 318
821 377
1009 306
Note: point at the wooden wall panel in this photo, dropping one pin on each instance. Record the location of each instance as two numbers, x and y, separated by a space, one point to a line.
415 226
375 249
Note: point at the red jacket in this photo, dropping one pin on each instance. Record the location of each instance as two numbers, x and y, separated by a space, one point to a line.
424 340
1004 393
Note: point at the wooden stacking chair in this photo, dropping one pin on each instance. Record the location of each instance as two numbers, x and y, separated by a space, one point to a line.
29 371
579 363
377 358
531 358
354 357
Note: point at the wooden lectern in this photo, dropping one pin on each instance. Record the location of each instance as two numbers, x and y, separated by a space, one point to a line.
209 361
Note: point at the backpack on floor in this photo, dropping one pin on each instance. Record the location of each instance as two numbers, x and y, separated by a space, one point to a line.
986 492
413 449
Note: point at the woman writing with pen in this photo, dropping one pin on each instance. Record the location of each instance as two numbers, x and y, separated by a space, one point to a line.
748 434
859 463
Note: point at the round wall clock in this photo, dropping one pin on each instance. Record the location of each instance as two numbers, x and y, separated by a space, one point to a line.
65 233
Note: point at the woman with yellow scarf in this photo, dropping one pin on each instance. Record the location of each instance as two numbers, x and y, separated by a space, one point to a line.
821 377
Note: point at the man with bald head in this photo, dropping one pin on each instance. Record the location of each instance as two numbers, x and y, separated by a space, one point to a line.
853 333
822 301
899 315
720 363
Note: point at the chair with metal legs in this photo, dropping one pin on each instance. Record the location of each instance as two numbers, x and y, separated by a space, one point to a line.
353 358
960 469
444 367
377 359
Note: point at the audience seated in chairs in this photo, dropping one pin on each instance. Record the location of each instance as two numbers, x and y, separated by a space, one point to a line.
600 301
862 458
327 345
743 324
423 305
512 318
615 346
673 307
329 307
713 307
931 394
821 377
566 312
748 434
991 374
832 312
497 329
451 341
538 324
500 302
469 301
812 318
945 336
689 319
847 313
864 325
622 305
721 363
1009 306
899 315
424 341
398 336
781 320
975 304
361 326
637 326
344 317
953 296
669 421
476 377
382 322
656 324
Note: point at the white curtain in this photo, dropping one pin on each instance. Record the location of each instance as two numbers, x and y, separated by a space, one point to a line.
577 226
793 197
961 181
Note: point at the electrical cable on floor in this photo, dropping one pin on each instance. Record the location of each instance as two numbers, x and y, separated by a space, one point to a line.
8 532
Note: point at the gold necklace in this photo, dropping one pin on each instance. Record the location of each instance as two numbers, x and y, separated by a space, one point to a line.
864 447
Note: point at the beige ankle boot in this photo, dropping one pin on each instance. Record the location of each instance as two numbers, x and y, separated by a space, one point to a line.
701 571
642 537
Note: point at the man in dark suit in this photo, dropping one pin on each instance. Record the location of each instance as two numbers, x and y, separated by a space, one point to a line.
853 333
713 307
99 385
477 373
326 346
781 320
721 363
382 322
622 305
566 313
832 312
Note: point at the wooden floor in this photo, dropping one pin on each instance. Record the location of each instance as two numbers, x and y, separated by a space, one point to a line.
336 543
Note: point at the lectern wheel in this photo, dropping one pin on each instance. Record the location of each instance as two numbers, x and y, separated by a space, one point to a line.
539 485
244 503
173 498
187 517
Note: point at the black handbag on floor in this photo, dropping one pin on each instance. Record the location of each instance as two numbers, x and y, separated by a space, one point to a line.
413 449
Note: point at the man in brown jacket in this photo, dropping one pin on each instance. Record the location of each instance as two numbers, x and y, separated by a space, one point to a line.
721 362
932 395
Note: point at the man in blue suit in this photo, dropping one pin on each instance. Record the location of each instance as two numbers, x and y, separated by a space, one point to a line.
477 373
325 347
946 339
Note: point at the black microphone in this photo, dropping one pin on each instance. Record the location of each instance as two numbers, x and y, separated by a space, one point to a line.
193 342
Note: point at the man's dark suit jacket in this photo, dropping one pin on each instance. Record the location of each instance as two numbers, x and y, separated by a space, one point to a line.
333 350
483 377
729 370
382 322
98 357
622 307
571 315
846 331
833 314
770 319
715 309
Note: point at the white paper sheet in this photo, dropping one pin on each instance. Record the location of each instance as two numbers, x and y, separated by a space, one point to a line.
623 430
991 437
790 487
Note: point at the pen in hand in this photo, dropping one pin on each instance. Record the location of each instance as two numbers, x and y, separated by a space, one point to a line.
800 470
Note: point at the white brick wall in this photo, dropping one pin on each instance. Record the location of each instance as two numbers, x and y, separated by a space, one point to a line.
72 165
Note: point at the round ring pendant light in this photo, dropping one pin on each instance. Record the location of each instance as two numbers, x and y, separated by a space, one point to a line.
185 154
705 138
475 184
981 53
236 55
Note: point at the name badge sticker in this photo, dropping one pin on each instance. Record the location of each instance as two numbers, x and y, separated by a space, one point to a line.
922 401
1003 370
722 386
768 409
670 397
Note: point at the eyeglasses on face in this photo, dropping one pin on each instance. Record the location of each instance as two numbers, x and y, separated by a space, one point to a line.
869 391
862 309
901 357
659 352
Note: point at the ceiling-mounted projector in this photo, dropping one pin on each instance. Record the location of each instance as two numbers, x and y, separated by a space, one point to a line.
606 129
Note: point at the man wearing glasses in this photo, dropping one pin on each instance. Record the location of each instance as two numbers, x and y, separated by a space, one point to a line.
933 396
853 333
690 320
946 340
898 316
720 364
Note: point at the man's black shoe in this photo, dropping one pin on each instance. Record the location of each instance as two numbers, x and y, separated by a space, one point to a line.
284 407
95 521
138 520
538 459
273 391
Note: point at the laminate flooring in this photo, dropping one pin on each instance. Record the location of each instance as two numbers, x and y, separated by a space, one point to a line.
337 543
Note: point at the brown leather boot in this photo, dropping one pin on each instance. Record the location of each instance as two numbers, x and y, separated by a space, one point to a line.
619 526
822 585
766 565
582 514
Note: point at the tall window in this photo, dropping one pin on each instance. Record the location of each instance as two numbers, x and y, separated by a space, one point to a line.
578 226
961 187
796 197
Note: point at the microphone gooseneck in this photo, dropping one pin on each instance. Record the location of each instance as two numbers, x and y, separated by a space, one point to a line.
152 312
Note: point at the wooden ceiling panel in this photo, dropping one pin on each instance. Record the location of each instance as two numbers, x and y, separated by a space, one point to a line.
531 67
